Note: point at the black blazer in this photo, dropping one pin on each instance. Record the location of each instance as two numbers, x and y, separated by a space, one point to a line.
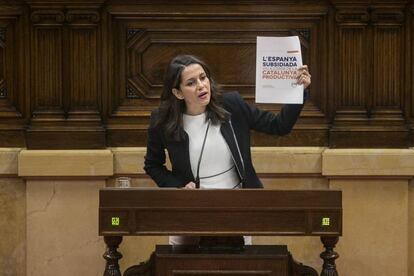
236 133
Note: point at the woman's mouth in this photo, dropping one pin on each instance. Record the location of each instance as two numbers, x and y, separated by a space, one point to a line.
203 95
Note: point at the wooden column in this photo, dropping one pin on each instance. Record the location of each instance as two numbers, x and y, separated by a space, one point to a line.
329 256
112 256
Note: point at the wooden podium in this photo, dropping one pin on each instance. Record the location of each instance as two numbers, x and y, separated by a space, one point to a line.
140 211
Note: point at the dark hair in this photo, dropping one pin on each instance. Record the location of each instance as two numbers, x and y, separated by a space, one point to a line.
171 109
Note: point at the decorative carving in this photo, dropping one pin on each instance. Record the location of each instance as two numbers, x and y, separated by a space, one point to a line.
378 15
58 16
142 269
132 93
346 16
329 256
47 15
3 93
3 35
82 15
112 256
305 33
132 32
299 269
382 15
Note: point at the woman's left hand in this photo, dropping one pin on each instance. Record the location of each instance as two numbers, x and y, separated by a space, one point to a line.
303 76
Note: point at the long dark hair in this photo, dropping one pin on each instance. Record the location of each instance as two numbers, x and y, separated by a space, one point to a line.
170 117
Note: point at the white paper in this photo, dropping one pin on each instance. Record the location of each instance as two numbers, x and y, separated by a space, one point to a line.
277 60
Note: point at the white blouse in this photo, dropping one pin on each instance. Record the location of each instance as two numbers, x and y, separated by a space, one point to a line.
217 170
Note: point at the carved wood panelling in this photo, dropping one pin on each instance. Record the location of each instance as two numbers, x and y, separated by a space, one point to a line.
47 87
67 100
8 57
3 89
352 61
410 72
47 17
75 73
12 78
230 51
387 67
371 50
82 17
83 71
227 51
83 53
352 44
387 16
47 70
352 17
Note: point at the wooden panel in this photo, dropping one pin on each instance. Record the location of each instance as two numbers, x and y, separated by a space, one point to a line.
46 50
3 89
83 53
352 90
47 70
83 69
200 212
88 75
352 52
409 96
12 78
148 55
67 100
252 261
387 55
388 68
143 48
370 48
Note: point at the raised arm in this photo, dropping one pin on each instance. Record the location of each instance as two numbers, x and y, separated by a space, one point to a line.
283 122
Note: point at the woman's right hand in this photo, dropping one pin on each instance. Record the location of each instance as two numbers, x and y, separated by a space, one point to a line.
190 186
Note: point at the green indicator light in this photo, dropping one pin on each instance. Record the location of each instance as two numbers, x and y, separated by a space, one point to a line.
115 221
326 221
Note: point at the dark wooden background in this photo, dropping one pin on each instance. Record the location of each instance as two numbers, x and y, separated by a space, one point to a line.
87 73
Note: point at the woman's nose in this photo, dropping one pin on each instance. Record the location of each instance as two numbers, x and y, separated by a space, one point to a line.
200 83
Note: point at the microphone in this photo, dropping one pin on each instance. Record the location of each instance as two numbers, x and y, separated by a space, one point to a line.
197 179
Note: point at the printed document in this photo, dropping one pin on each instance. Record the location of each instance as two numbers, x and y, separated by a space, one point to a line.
277 60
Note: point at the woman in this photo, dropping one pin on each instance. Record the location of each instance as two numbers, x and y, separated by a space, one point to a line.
207 134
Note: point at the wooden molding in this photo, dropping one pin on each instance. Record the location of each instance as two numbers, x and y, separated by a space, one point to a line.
82 17
387 16
352 16
46 17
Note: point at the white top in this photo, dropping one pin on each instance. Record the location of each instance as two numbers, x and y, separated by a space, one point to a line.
217 170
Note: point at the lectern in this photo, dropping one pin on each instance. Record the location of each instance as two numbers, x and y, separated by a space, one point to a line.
144 211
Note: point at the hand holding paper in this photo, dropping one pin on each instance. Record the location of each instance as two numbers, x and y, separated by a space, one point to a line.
280 76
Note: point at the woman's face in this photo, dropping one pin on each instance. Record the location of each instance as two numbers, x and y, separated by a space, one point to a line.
194 89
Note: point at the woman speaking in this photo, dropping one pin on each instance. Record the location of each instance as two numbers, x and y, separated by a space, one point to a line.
206 132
